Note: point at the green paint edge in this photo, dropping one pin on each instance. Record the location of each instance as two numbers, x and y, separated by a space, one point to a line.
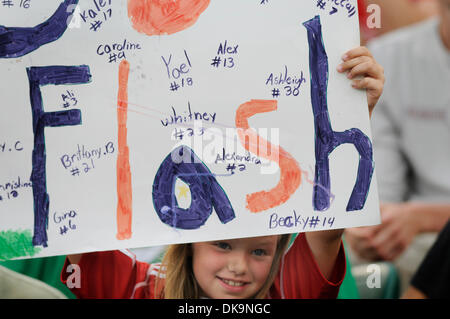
17 243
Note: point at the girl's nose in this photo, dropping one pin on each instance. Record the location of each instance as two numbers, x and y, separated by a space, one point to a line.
237 264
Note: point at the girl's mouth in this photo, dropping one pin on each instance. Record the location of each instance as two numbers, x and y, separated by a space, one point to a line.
235 285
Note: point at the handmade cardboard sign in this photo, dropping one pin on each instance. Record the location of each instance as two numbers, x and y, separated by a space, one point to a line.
136 123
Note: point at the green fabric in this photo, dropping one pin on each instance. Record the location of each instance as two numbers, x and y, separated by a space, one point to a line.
349 289
392 285
47 269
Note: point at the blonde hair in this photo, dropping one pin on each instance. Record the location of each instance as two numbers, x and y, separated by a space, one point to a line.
177 280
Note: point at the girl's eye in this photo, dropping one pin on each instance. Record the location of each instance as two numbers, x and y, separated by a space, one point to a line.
259 252
223 245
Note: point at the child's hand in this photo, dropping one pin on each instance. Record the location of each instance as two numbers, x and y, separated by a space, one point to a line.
359 62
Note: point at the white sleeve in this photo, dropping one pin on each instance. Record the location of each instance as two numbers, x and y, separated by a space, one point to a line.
391 166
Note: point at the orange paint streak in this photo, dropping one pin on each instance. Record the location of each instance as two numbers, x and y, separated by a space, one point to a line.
290 172
156 17
124 191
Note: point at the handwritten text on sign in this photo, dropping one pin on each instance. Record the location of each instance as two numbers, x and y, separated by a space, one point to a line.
189 93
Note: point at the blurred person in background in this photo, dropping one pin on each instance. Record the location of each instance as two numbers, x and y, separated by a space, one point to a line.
411 138
395 14
432 279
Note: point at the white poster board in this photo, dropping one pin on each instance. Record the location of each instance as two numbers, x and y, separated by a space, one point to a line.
100 97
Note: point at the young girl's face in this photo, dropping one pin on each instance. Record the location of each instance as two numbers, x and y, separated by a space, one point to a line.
236 268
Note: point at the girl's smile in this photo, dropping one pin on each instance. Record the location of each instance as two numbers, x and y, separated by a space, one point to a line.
236 268
233 285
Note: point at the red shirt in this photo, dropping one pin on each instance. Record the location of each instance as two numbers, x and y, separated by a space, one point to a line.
117 274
